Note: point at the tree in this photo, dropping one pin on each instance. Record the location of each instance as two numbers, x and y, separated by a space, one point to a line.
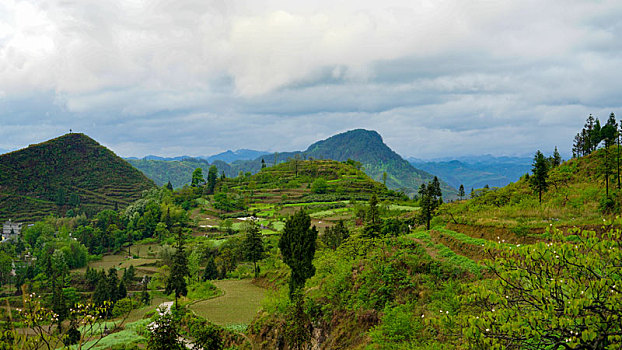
561 294
372 218
384 178
197 177
540 170
319 185
169 186
176 281
211 271
212 176
334 236
253 246
429 200
164 333
556 159
263 163
609 134
297 245
461 192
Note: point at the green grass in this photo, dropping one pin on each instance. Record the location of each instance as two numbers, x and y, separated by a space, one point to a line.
448 254
130 334
330 212
238 305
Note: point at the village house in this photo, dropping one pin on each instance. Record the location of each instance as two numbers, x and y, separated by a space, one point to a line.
11 230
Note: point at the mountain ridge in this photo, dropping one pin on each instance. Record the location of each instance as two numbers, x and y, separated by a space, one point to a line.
72 171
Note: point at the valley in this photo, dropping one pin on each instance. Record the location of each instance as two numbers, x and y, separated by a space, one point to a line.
217 253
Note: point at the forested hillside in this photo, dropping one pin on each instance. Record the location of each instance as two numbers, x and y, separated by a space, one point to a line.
71 172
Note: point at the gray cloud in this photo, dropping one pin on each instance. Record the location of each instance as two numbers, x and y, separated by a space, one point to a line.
197 77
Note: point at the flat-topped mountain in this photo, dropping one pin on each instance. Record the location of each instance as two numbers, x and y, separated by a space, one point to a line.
69 172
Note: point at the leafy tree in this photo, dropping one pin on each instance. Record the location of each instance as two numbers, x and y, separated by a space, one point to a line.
197 177
335 235
319 186
461 192
297 245
145 297
562 294
212 176
164 333
384 178
540 170
253 246
176 281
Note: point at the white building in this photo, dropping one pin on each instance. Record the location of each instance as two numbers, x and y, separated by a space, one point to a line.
11 230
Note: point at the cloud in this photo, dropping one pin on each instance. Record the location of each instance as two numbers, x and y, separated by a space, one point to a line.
434 77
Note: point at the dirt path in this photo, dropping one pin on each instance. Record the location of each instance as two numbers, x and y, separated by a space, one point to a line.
239 303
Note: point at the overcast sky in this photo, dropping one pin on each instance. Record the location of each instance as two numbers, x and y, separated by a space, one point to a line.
435 78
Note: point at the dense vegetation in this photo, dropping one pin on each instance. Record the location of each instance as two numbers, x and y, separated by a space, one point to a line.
70 173
376 159
347 263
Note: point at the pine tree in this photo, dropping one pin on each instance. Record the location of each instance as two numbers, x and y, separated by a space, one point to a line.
169 186
461 192
211 271
540 169
176 281
334 236
429 200
372 218
263 163
212 176
556 159
297 245
253 246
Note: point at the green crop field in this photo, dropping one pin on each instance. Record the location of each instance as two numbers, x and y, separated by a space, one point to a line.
238 305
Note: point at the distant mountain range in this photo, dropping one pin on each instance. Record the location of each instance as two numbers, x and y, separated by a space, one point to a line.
69 172
477 171
364 146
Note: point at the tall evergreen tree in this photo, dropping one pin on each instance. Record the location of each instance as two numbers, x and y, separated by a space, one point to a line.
373 223
212 176
169 186
540 170
297 245
263 163
461 192
211 271
429 200
253 246
176 281
556 159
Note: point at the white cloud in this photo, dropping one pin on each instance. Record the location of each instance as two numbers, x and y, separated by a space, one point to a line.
444 71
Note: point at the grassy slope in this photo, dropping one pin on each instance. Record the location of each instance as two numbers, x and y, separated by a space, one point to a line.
70 164
575 189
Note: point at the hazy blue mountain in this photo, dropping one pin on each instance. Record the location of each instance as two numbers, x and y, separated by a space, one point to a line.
231 156
364 146
476 171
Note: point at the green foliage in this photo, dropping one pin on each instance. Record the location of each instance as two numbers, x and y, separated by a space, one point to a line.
430 200
164 333
197 177
319 186
253 246
548 295
64 173
335 235
540 170
297 246
176 282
